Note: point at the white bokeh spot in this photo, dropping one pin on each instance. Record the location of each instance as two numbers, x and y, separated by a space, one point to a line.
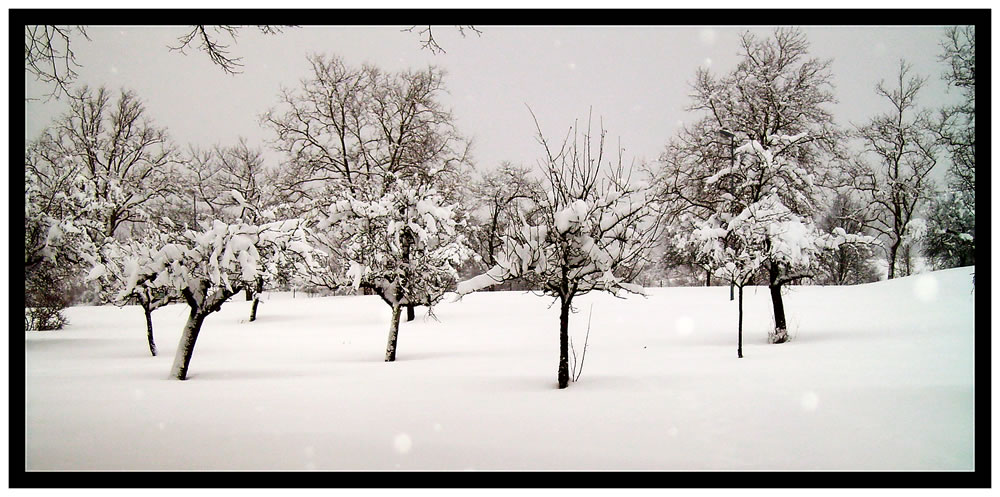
402 443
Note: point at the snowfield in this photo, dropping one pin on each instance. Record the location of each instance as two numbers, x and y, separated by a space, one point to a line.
876 377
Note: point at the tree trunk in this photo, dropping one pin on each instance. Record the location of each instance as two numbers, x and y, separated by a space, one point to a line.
149 329
780 329
258 287
390 348
731 285
186 346
708 278
893 251
248 293
564 344
739 344
410 314
253 308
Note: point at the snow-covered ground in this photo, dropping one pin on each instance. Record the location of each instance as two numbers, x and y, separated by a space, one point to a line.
877 377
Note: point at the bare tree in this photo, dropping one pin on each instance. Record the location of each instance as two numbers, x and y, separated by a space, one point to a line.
427 36
48 55
125 159
595 231
210 43
900 152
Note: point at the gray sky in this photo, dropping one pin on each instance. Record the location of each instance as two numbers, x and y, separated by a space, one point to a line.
635 77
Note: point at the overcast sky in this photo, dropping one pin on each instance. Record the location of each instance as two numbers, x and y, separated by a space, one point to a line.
636 78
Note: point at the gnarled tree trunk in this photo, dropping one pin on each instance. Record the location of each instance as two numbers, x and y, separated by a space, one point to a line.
201 306
390 348
149 328
186 347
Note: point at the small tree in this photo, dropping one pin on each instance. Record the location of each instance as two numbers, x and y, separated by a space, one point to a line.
761 182
763 234
595 232
117 264
400 242
207 268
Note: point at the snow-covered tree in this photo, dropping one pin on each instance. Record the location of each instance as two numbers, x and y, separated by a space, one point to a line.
848 264
951 230
763 234
762 186
398 240
233 184
951 237
117 263
207 268
349 128
500 198
60 214
776 97
893 174
126 160
595 229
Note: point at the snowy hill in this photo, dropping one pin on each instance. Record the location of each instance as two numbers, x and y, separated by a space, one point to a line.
876 377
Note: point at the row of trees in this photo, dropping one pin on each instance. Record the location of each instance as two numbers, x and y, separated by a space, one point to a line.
376 193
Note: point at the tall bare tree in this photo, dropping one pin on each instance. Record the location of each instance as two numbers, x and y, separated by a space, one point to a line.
900 150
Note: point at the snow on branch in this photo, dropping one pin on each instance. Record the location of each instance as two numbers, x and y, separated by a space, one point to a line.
598 225
397 238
